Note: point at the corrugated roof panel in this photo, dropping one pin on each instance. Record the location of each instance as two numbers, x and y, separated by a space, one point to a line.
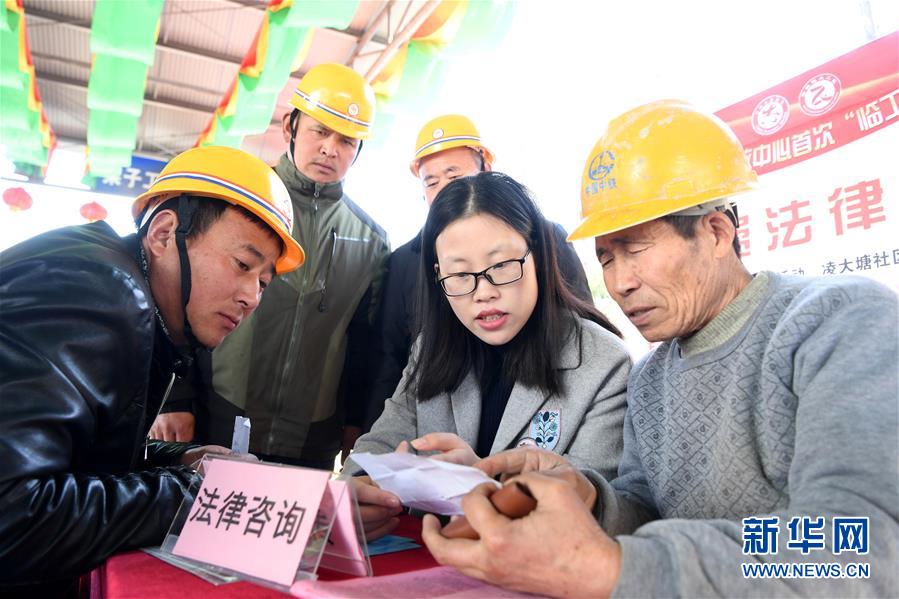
199 50
80 10
47 37
45 65
66 108
328 46
168 132
194 72
218 26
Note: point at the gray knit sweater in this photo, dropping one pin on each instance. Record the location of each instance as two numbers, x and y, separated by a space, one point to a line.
793 412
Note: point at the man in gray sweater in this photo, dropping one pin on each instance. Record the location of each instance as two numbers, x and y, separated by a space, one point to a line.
760 442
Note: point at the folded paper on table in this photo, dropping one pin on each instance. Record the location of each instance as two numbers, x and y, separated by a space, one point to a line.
422 483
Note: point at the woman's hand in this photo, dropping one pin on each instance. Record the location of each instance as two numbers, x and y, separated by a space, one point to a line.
450 446
379 509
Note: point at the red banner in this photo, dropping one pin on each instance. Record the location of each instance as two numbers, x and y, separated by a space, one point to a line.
822 109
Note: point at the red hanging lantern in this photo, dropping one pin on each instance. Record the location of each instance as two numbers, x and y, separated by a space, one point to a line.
93 212
17 199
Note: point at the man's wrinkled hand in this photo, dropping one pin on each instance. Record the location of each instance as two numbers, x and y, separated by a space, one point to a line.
529 459
557 550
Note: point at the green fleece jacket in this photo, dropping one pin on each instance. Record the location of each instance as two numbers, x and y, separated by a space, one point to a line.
297 366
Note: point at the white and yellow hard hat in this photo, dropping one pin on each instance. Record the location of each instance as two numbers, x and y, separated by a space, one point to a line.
338 97
446 132
656 160
236 177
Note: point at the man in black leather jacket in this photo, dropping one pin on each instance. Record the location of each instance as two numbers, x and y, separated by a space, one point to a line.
93 328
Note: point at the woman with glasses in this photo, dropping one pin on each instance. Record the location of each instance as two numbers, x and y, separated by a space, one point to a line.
506 355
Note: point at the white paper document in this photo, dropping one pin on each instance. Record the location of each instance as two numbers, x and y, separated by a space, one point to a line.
422 483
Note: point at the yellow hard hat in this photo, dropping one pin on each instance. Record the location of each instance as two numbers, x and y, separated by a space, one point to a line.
236 177
445 132
337 97
655 160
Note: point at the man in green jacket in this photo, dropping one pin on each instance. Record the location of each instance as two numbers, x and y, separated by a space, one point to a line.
306 343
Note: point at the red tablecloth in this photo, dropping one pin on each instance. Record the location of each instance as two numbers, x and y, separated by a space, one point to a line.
137 575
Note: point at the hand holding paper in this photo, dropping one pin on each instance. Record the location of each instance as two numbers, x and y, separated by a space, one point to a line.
378 509
422 483
451 448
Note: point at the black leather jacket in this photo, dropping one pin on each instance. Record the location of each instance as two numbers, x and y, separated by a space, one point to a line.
84 368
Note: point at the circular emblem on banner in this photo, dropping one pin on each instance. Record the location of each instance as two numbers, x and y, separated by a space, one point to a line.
770 115
820 94
353 109
438 133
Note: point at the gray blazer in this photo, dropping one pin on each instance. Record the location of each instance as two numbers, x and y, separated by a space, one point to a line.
589 419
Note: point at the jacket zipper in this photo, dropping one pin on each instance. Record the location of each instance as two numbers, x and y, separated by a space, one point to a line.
289 357
321 304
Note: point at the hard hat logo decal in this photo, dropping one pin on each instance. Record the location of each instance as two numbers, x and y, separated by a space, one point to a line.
438 133
353 109
601 165
770 115
820 94
600 168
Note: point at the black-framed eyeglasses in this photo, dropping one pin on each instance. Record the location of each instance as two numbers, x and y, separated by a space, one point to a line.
501 273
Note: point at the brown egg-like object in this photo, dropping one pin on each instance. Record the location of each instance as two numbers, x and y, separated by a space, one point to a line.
514 500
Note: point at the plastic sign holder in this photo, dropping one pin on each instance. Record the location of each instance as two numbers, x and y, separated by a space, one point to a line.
270 524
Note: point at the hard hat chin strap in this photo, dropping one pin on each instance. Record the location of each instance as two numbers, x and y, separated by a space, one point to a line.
187 207
294 122
718 205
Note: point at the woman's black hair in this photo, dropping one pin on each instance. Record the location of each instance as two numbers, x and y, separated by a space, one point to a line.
448 351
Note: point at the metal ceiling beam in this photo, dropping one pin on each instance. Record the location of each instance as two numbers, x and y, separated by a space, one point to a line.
168 104
370 31
172 47
71 141
161 153
401 38
155 80
261 5
183 49
164 104
142 141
